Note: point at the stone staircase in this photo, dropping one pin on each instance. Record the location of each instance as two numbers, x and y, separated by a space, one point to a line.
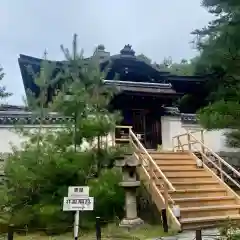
179 179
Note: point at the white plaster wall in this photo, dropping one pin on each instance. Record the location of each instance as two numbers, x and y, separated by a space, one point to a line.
169 125
9 138
172 126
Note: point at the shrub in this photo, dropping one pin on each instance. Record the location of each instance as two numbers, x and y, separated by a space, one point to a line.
109 196
38 179
230 231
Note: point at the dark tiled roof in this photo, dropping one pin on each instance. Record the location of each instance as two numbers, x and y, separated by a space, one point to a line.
12 114
6 107
12 117
189 118
171 111
125 60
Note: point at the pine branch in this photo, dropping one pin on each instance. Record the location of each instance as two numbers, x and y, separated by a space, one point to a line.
3 93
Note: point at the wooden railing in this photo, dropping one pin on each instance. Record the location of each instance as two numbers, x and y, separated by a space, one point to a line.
121 135
156 180
147 162
149 165
184 142
190 142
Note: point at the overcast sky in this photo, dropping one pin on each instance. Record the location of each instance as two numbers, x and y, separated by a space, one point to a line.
156 28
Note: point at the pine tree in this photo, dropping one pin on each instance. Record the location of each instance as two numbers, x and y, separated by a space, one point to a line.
44 79
39 175
219 45
86 98
3 92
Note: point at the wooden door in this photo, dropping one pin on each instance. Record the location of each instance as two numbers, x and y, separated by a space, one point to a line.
146 125
138 117
153 131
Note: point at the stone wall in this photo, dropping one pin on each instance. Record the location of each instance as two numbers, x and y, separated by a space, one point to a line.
233 158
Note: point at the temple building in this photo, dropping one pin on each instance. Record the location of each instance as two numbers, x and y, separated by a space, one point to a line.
189 188
148 98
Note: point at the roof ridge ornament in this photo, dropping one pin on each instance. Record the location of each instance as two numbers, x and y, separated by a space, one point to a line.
127 50
101 47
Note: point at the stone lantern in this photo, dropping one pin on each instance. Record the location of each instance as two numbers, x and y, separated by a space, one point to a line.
129 163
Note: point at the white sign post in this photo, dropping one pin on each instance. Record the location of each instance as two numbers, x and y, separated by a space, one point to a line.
78 200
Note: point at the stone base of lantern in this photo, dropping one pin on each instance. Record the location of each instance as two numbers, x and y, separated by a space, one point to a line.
131 223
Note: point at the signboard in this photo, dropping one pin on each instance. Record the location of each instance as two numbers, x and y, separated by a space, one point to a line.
78 200
78 203
76 191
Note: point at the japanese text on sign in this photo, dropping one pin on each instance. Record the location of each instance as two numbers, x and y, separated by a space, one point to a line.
78 191
78 204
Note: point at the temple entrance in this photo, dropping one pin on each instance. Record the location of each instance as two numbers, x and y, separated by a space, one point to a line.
153 134
146 125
